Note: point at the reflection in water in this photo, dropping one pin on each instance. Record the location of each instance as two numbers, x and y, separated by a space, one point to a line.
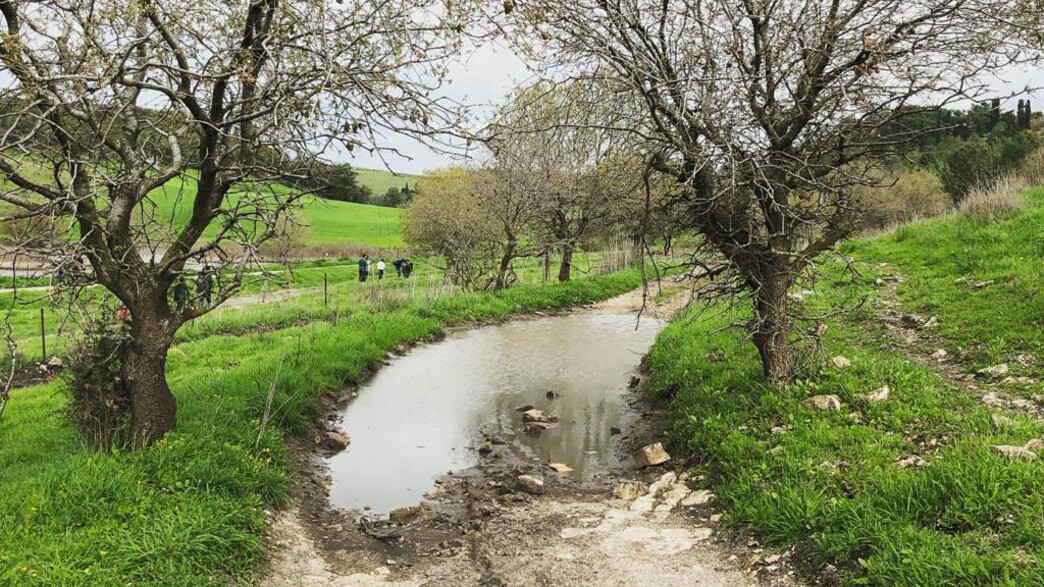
421 416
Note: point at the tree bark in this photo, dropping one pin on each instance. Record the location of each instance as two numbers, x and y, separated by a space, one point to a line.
772 325
567 261
145 373
505 264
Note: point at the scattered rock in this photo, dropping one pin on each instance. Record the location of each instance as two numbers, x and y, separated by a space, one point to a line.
524 408
552 395
535 428
818 330
698 497
840 362
534 416
1001 421
910 462
1035 444
531 484
994 371
714 356
613 430
405 515
333 440
1018 381
1023 360
629 490
1015 452
54 362
939 355
878 395
983 284
931 323
634 382
830 403
560 468
486 448
651 455
779 429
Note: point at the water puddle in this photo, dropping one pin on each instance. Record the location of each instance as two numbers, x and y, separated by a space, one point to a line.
425 413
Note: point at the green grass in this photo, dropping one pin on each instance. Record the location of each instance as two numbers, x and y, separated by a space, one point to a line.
380 180
827 483
190 509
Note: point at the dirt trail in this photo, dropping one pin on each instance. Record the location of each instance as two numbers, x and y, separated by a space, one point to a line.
914 335
664 537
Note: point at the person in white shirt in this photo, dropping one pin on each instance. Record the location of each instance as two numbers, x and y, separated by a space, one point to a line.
380 269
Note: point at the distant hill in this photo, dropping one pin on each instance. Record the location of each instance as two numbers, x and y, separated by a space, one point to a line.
379 180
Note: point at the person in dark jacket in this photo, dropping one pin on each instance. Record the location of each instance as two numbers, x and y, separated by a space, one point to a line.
364 267
181 295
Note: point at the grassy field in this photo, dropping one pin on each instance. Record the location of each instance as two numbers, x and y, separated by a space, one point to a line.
380 180
322 222
829 484
190 509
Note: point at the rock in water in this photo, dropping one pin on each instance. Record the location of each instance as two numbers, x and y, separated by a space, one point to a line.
534 416
629 490
405 515
1015 452
531 484
552 395
560 468
827 403
334 441
651 455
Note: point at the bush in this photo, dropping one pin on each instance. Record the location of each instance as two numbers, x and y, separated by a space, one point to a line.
980 161
905 195
100 404
1004 198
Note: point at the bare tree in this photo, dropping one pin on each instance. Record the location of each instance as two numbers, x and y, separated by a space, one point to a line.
768 111
559 141
110 107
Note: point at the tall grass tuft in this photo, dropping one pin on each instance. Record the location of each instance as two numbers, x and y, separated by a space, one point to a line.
996 201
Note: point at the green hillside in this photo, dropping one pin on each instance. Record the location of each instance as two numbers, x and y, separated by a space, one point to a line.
379 180
324 222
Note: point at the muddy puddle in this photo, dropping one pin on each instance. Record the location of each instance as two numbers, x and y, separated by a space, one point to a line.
428 412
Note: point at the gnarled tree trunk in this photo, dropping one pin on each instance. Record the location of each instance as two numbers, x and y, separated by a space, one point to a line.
567 260
144 371
772 324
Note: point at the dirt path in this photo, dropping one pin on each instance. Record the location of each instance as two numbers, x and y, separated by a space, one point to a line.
914 335
663 535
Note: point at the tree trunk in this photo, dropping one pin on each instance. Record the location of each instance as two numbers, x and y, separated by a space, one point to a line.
772 326
505 264
567 261
145 373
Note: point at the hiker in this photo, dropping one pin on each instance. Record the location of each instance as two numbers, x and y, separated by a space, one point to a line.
380 269
204 285
122 311
407 268
181 295
364 267
398 267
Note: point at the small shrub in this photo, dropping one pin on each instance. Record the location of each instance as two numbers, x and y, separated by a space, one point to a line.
100 404
1002 199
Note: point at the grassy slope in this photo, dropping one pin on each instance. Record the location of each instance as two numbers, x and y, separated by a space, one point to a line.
379 180
190 509
828 482
325 221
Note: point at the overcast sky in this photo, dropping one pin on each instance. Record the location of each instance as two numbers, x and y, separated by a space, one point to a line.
488 75
482 79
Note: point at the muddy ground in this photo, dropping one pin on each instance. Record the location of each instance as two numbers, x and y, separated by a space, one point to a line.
481 528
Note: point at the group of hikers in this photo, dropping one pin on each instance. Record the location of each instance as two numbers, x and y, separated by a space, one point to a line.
204 290
403 267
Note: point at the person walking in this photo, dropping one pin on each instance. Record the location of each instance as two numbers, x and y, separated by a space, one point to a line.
364 267
205 285
398 267
380 269
181 295
407 268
